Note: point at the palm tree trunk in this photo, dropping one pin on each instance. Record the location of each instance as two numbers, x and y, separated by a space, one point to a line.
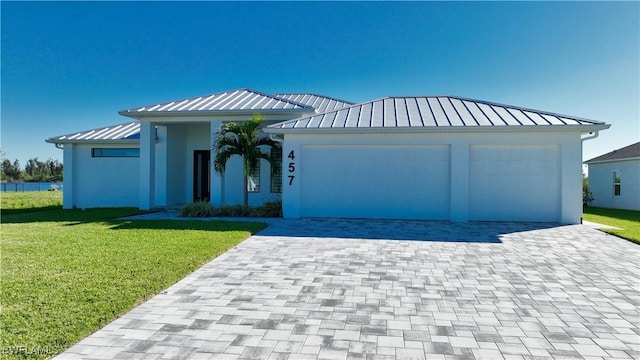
246 190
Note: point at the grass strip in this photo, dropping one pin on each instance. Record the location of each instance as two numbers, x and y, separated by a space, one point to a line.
627 220
23 202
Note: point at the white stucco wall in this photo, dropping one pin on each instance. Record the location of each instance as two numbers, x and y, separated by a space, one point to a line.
100 181
176 164
550 158
234 184
601 184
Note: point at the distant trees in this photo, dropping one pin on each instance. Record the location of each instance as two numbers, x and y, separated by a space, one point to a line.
34 170
10 171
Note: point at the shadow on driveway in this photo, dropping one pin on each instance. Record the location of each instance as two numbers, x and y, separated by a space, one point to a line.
416 230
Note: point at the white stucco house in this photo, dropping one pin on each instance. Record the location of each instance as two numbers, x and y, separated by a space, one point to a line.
614 178
425 157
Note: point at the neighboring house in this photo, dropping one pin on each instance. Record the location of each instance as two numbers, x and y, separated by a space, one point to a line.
437 157
614 178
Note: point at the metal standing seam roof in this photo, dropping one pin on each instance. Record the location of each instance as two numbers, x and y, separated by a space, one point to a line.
628 152
241 99
320 103
228 101
428 112
116 133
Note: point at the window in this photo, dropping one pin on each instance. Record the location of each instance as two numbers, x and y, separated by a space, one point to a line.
616 182
253 182
276 172
115 152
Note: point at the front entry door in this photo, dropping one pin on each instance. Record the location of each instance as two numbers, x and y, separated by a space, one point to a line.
201 173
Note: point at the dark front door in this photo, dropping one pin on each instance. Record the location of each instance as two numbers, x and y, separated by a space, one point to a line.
201 172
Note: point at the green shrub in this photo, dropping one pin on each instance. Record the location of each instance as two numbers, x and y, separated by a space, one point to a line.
205 209
234 210
198 209
269 209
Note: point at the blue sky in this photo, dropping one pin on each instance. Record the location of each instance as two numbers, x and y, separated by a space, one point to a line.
72 66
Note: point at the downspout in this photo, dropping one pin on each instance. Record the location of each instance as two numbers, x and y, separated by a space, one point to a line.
595 135
278 138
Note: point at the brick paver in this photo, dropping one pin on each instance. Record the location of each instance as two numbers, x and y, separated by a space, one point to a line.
363 289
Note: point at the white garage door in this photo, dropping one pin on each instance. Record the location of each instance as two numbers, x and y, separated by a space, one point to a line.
514 183
377 181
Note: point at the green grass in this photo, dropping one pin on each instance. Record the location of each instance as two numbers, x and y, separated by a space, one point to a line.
67 273
627 220
20 202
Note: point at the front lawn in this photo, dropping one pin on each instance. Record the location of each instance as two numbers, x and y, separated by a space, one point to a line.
627 220
67 273
17 202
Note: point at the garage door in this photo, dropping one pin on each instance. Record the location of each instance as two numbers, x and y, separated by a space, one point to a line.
519 183
403 182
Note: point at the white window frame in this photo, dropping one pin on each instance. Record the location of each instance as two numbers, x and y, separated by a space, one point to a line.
253 181
617 182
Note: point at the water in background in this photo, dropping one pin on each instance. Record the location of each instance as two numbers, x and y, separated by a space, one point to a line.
29 186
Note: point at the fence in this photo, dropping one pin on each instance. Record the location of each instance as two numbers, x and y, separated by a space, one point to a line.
29 186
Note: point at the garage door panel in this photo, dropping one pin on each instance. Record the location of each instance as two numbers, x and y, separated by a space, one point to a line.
375 181
514 183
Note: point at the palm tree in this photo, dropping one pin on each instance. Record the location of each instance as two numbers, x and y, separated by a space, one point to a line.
243 139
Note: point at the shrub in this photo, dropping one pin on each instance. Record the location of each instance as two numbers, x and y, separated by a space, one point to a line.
234 210
205 209
269 209
198 209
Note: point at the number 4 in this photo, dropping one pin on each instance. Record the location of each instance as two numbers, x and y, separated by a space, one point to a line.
291 155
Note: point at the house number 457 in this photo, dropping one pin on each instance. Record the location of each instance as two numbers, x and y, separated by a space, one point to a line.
292 167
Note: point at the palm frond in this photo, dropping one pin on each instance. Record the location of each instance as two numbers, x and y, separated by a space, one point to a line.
243 139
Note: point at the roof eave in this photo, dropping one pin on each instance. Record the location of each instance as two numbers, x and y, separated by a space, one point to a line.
443 129
93 141
590 162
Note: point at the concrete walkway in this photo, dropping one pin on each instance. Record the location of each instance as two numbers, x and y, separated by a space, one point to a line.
342 289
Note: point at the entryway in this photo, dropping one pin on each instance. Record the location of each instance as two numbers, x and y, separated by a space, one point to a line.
201 174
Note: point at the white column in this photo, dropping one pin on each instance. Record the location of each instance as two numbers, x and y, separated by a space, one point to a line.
161 165
570 181
459 182
147 165
217 184
291 178
68 200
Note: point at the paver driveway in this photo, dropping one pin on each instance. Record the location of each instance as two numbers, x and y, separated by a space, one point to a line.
482 290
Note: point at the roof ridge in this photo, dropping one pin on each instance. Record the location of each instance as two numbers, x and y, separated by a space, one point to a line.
628 152
518 116
318 95
275 96
177 101
492 103
521 108
161 104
